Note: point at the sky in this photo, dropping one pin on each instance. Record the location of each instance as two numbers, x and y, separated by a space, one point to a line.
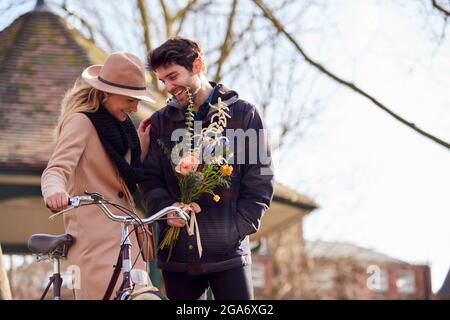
378 183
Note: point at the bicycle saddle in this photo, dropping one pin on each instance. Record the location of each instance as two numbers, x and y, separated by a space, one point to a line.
50 244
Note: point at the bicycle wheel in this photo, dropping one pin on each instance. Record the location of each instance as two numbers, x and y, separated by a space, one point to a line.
147 293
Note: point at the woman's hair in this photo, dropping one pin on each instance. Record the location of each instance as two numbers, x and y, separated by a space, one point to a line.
80 98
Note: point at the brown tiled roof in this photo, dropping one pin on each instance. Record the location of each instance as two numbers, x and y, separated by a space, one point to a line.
40 58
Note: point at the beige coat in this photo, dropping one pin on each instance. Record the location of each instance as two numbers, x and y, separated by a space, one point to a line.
80 163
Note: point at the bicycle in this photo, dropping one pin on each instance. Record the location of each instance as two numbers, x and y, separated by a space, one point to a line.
56 247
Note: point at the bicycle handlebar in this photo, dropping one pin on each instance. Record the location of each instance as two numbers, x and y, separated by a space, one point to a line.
97 199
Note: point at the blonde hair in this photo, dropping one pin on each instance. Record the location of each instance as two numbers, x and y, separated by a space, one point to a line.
80 98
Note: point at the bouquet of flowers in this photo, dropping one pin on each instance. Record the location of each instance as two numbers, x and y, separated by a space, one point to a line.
194 176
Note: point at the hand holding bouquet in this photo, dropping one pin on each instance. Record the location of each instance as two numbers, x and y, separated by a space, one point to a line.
194 176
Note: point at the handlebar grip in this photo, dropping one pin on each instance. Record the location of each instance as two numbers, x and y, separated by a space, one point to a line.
68 203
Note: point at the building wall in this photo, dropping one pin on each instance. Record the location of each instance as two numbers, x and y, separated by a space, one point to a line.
282 270
283 261
342 279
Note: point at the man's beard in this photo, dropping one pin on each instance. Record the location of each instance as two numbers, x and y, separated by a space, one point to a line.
185 96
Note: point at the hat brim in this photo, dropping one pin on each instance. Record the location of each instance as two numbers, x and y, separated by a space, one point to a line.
90 75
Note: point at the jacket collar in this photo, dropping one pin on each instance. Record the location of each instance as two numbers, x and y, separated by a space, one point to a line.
175 112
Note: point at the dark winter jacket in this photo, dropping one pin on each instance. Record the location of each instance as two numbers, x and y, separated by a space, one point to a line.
225 225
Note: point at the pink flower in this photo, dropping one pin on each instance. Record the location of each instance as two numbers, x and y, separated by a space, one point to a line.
188 164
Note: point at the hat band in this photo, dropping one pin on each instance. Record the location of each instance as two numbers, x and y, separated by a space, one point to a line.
120 85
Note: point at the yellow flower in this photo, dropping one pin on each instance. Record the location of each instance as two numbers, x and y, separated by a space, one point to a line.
226 170
216 198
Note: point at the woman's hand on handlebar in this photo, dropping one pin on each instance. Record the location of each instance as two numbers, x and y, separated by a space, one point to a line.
58 201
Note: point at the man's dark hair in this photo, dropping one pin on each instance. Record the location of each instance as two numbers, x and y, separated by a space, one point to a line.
176 50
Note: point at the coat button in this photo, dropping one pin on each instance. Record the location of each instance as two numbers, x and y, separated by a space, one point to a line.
120 194
190 247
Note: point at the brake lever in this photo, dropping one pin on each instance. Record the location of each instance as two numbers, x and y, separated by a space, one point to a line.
181 215
96 196
53 216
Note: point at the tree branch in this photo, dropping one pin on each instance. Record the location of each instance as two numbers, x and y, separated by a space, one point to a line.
243 60
182 17
167 18
183 11
268 14
440 8
226 45
142 8
82 21
12 4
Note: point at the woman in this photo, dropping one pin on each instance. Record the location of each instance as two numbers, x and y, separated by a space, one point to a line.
98 150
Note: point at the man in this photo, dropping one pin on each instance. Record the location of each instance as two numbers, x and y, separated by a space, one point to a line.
225 226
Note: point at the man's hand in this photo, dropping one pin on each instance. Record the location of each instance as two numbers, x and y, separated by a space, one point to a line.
176 222
188 208
58 201
143 132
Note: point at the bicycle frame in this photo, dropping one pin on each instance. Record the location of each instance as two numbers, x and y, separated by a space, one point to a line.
126 263
54 280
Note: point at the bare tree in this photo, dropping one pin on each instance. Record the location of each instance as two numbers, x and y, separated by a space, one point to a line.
227 43
279 26
5 290
234 40
237 42
441 8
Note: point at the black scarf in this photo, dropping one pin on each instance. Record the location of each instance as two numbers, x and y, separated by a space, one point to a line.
117 137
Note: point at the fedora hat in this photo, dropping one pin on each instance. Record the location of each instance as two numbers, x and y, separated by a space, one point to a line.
122 73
